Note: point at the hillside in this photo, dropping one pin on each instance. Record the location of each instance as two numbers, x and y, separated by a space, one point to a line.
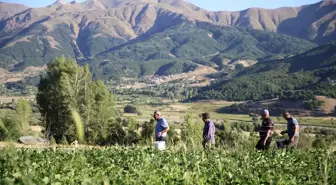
9 10
32 37
190 44
300 77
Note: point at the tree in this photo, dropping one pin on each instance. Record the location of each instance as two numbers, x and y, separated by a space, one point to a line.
24 113
100 114
239 66
130 109
68 86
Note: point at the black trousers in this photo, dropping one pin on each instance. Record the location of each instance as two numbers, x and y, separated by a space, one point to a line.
160 138
261 146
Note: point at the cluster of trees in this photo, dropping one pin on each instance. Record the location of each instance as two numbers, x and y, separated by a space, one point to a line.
299 77
173 90
67 87
13 125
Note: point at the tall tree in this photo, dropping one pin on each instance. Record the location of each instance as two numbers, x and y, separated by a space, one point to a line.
24 113
68 86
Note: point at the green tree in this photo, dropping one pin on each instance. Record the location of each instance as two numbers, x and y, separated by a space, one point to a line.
68 86
100 114
24 113
130 109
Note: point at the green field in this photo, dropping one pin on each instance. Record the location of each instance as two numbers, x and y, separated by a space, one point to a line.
136 165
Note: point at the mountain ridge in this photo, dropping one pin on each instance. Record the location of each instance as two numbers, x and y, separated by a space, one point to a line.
84 30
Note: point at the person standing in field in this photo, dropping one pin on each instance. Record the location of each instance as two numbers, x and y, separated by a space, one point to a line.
208 131
292 130
265 132
161 127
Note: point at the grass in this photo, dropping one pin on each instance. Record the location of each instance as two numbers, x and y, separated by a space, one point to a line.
175 112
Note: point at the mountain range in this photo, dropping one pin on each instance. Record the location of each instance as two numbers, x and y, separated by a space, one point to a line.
128 33
299 77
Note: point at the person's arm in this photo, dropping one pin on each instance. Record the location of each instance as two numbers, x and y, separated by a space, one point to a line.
267 136
163 131
269 130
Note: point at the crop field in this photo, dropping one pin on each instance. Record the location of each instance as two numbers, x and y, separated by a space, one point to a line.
175 112
139 165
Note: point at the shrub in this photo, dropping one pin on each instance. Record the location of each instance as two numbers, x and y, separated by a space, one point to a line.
130 109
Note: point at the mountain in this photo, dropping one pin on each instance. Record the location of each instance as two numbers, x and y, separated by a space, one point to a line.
94 28
8 10
191 44
300 77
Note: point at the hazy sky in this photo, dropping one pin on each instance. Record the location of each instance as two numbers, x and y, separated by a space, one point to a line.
213 5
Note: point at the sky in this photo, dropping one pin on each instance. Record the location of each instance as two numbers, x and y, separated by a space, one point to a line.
211 5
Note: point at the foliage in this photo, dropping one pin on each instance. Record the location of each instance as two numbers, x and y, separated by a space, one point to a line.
52 141
9 129
313 104
135 165
68 86
191 131
239 66
24 114
299 77
147 131
130 109
64 141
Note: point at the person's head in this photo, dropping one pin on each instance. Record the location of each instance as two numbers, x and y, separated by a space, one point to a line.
205 117
286 115
157 115
264 114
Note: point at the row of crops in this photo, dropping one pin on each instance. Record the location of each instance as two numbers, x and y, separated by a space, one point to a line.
138 165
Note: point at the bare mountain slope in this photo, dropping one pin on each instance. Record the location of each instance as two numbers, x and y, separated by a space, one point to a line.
83 30
8 10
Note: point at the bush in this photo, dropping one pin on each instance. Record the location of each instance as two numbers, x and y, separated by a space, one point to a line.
130 109
239 66
9 129
313 104
52 141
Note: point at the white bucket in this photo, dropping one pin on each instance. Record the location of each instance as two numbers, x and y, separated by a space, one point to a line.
161 145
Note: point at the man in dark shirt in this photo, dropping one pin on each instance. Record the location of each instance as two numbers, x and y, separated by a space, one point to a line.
208 131
265 132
